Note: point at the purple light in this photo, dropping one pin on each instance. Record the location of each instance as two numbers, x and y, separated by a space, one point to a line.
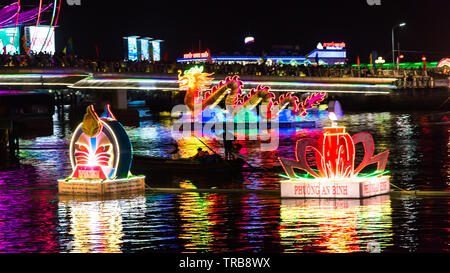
8 15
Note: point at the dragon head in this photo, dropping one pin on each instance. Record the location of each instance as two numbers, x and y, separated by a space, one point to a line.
194 79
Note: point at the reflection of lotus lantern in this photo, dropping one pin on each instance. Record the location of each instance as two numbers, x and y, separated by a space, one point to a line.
335 160
101 155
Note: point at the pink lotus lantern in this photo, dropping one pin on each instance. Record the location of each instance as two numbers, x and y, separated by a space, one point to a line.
337 176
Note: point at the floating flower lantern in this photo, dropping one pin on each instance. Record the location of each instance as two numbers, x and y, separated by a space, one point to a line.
336 176
200 97
101 156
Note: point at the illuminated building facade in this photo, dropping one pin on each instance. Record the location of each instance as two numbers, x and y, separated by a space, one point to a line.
142 49
324 54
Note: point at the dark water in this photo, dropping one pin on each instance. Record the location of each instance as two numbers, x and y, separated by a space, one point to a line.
33 218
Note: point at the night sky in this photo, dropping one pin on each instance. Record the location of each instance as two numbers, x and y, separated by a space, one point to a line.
222 25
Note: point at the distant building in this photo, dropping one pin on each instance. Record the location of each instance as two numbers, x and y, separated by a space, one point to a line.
324 54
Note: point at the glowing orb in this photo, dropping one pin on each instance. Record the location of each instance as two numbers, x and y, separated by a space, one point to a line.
100 156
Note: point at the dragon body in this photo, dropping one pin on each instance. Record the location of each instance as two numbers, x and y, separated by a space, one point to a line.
197 98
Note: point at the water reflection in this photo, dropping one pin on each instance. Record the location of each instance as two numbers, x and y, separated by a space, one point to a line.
336 226
97 226
27 222
33 219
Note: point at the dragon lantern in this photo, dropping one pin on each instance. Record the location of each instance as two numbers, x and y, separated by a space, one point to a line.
100 156
195 82
336 175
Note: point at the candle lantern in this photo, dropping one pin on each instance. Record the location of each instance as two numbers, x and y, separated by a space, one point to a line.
101 156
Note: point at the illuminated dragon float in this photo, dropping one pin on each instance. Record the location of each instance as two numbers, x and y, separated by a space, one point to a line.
198 99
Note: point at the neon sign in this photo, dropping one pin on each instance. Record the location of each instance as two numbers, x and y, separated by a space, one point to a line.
444 63
335 155
249 40
380 60
196 83
100 147
100 155
191 55
334 45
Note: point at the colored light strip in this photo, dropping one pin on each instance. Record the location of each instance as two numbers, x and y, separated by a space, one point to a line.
37 25
223 58
333 91
33 84
7 13
256 83
244 58
237 58
191 60
57 17
19 78
142 82
17 21
106 180
359 176
177 89
303 84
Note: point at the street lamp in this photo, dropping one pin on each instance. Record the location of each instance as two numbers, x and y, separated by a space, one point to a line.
393 52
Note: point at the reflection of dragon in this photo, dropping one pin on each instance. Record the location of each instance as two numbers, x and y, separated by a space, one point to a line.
194 82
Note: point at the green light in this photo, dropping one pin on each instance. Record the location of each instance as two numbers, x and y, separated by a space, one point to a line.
299 177
373 174
308 176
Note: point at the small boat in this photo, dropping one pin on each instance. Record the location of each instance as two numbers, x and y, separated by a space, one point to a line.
161 164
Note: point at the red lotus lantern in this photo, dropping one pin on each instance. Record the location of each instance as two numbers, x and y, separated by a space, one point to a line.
335 155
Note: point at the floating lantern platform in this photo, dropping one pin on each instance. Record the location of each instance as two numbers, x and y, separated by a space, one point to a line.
335 188
101 156
337 176
201 104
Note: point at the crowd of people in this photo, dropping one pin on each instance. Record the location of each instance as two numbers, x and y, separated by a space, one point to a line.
61 60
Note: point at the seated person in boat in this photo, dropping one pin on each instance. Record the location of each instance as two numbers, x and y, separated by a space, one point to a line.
201 154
